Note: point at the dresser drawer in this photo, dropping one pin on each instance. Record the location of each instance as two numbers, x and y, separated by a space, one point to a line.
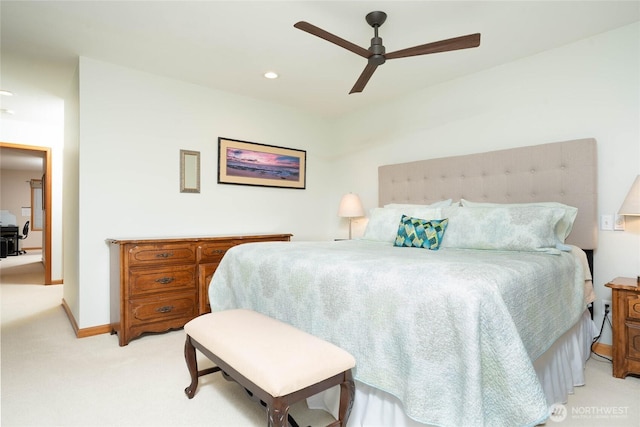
633 307
168 253
213 252
167 279
633 341
150 310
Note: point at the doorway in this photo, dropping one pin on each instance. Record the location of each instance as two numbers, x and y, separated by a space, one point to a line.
45 172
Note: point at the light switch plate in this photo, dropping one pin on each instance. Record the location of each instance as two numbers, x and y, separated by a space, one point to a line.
606 222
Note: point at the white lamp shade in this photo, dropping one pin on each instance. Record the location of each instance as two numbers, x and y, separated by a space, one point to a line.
350 206
631 204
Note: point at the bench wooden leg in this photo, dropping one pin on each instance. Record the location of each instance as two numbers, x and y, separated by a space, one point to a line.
278 412
192 365
347 395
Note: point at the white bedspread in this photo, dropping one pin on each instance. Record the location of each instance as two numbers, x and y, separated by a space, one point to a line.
451 333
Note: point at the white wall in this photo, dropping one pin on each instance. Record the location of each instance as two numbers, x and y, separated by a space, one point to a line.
586 89
71 218
132 127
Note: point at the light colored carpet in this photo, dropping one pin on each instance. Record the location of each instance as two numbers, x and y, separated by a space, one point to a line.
23 269
51 378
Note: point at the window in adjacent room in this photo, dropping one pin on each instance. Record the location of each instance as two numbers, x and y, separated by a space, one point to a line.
36 205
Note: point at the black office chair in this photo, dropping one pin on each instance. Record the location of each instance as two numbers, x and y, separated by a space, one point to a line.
25 233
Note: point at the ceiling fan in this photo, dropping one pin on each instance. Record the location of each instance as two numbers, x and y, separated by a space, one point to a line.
376 53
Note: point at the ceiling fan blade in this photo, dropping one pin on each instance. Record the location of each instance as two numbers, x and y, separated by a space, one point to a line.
319 32
363 79
462 42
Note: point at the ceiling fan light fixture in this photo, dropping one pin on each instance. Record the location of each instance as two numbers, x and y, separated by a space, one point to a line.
271 75
6 92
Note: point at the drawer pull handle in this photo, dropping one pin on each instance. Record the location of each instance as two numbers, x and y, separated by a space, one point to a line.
164 309
165 280
164 255
219 251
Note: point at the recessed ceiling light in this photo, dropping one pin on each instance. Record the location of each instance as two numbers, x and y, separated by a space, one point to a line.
271 75
6 111
5 92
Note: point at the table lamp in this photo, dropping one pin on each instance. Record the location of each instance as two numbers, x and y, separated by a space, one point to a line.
631 204
350 207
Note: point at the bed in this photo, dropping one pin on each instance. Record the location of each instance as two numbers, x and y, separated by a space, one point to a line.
485 323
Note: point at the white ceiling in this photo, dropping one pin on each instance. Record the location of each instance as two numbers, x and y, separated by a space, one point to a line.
228 45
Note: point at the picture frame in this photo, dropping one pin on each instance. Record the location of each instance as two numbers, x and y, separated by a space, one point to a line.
251 163
189 171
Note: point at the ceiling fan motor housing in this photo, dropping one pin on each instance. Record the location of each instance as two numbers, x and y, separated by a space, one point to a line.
378 51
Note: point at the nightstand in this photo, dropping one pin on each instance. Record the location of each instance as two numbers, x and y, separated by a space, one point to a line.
626 326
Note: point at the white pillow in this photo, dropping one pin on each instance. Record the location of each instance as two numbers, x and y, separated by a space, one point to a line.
564 226
439 204
450 210
525 228
383 222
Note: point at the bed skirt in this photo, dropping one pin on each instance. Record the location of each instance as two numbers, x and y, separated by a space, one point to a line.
559 369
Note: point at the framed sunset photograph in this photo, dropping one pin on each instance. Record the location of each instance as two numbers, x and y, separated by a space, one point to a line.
250 163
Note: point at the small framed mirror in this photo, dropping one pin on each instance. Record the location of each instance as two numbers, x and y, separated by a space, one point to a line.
189 171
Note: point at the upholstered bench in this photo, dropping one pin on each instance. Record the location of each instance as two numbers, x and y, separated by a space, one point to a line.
275 362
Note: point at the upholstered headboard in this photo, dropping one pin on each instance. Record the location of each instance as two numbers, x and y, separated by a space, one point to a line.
563 172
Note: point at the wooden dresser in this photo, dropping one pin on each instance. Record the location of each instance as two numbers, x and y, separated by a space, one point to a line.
161 284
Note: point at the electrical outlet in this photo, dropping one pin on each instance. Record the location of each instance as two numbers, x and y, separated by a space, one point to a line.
607 303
